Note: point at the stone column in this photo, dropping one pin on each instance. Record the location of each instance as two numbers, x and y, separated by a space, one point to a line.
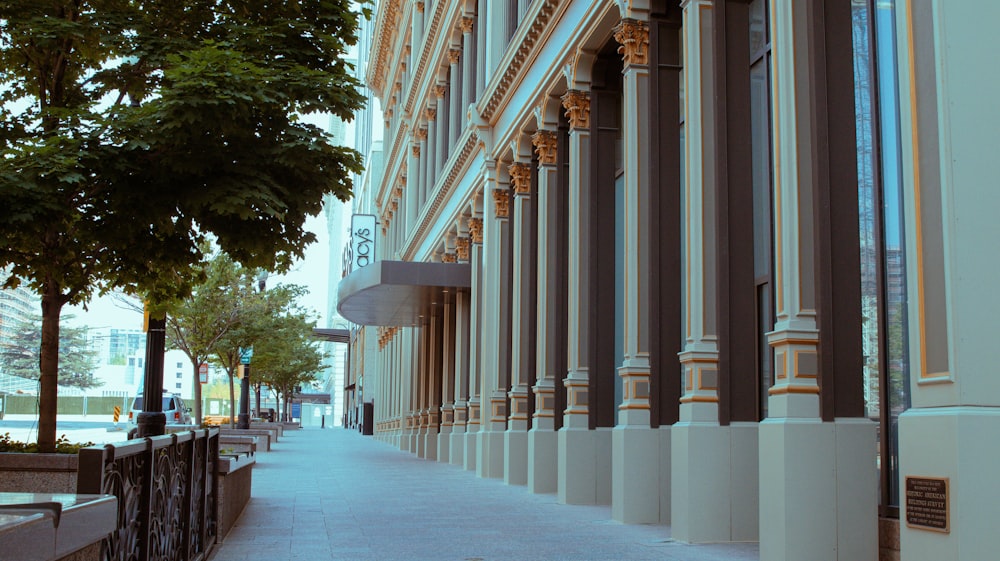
542 441
454 96
447 373
467 96
804 459
949 132
423 375
475 340
496 332
522 368
583 455
712 498
433 132
441 136
434 366
635 446
456 454
423 170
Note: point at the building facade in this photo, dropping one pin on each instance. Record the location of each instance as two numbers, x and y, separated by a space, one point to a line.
720 264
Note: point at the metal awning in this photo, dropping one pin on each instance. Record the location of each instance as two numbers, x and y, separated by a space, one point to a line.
335 335
399 293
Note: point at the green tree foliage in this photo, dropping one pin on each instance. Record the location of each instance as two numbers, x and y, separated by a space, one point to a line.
19 355
196 324
132 130
288 356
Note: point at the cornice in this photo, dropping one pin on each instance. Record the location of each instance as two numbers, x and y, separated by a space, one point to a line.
429 49
384 35
527 38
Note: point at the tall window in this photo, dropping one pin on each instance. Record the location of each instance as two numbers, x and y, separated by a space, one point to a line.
762 185
883 265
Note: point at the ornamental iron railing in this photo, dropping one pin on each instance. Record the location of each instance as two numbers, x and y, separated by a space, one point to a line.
167 489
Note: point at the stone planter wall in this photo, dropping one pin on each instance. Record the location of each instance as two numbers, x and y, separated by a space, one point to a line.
38 473
235 481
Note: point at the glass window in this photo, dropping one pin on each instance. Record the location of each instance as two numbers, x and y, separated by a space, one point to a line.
761 150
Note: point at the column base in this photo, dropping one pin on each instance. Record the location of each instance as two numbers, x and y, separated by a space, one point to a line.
713 482
444 445
456 447
515 455
818 490
404 442
420 443
430 445
471 452
962 444
543 451
584 466
640 474
490 461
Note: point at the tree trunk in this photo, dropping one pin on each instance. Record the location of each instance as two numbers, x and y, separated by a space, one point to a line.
48 381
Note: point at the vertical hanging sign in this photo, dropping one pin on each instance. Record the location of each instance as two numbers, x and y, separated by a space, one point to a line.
362 249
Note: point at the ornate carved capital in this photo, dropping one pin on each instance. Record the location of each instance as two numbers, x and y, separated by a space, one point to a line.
430 113
394 205
421 134
397 192
633 36
476 230
416 150
501 199
448 258
439 91
577 105
546 146
462 249
454 55
520 175
466 24
420 7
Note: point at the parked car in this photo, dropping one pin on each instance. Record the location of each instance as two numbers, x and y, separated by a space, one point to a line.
173 409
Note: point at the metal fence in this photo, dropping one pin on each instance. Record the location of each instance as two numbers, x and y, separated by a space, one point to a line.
167 489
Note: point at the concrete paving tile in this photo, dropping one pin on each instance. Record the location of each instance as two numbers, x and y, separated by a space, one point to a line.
334 494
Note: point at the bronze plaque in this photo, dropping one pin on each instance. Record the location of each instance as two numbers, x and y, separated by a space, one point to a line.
926 503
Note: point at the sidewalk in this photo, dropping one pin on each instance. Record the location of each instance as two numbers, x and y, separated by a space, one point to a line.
324 494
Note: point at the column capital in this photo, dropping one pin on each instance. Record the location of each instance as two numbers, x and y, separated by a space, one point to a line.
577 105
420 7
416 150
430 114
448 258
421 134
633 37
462 249
454 55
466 24
439 91
502 201
546 143
476 230
520 174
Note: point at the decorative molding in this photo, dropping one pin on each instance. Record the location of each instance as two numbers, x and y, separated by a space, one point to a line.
539 24
386 28
577 105
430 114
466 23
454 55
476 230
416 150
449 258
421 134
501 199
546 146
633 36
439 91
520 175
420 7
397 192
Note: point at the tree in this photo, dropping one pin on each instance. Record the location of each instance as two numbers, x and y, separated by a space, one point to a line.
133 130
288 357
196 324
20 354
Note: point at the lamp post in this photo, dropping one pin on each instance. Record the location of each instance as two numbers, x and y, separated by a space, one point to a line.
151 421
243 421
